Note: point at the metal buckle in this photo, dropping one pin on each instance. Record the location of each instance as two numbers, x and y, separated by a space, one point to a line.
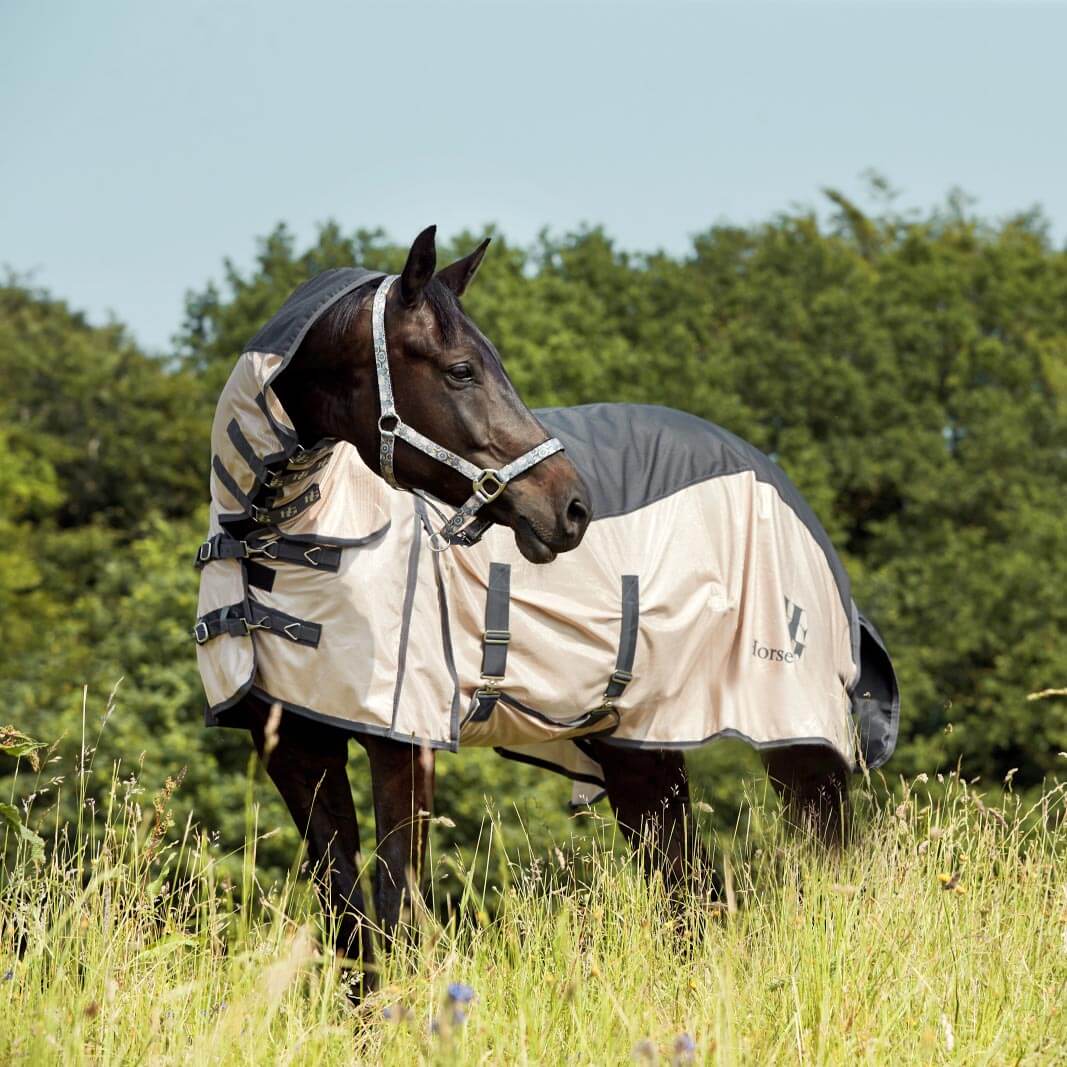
496 637
263 549
622 677
201 633
260 515
472 533
203 553
308 554
490 685
292 630
487 496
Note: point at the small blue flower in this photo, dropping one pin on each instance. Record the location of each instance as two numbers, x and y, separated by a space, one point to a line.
458 993
645 1051
8 975
684 1049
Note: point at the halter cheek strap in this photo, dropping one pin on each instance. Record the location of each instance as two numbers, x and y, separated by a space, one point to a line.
465 527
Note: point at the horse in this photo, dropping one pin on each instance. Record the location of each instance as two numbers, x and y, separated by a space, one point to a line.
395 371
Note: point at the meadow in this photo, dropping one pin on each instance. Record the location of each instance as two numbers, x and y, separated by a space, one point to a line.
907 367
939 937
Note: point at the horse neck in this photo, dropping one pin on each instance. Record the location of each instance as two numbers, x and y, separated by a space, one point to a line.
321 397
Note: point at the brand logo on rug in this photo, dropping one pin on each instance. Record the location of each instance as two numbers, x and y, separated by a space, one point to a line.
797 619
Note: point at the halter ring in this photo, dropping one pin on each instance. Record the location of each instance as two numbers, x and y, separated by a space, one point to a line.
393 423
488 495
438 542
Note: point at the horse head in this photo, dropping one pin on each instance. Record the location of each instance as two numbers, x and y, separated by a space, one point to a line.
449 386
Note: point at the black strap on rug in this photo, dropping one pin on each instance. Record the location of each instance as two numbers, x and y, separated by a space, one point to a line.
298 467
248 453
265 516
497 612
239 620
631 618
495 640
271 516
272 548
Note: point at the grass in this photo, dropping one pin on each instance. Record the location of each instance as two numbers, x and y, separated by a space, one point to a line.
940 937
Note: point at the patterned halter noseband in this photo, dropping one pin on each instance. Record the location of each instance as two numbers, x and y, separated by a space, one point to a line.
465 527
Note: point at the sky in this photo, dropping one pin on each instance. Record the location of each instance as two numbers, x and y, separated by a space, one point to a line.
141 144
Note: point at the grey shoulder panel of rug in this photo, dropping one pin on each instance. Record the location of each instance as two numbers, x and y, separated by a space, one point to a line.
632 455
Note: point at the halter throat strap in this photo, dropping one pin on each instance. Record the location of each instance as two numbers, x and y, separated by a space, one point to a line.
465 527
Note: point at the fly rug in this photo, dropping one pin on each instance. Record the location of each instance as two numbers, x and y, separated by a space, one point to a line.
704 601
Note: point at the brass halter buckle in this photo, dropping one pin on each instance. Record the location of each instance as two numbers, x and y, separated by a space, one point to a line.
488 486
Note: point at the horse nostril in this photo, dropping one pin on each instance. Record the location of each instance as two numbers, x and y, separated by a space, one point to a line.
577 513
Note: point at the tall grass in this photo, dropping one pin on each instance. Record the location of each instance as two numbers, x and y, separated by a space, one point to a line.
940 937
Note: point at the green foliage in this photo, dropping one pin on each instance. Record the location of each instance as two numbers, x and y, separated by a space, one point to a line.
909 372
124 435
15 743
11 822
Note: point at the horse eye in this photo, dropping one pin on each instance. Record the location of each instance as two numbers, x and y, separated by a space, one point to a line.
461 372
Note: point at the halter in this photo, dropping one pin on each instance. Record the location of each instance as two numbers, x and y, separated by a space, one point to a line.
465 527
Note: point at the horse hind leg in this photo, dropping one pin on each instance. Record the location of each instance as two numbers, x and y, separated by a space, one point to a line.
649 794
812 781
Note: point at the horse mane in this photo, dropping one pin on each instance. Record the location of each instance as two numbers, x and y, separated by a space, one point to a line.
336 322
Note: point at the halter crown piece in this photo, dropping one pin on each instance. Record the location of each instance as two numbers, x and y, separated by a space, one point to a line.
465 527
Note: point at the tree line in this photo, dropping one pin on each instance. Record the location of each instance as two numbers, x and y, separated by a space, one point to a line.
908 370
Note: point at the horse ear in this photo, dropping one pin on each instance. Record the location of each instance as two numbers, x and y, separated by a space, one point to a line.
457 276
419 268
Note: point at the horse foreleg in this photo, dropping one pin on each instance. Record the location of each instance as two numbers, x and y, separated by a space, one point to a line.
403 780
649 793
306 761
813 783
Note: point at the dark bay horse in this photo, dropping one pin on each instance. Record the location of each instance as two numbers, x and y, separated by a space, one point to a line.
450 386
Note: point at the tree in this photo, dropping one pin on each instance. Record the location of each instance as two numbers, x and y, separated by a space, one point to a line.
909 372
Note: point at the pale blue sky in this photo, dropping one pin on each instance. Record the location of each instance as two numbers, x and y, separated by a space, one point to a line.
143 142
